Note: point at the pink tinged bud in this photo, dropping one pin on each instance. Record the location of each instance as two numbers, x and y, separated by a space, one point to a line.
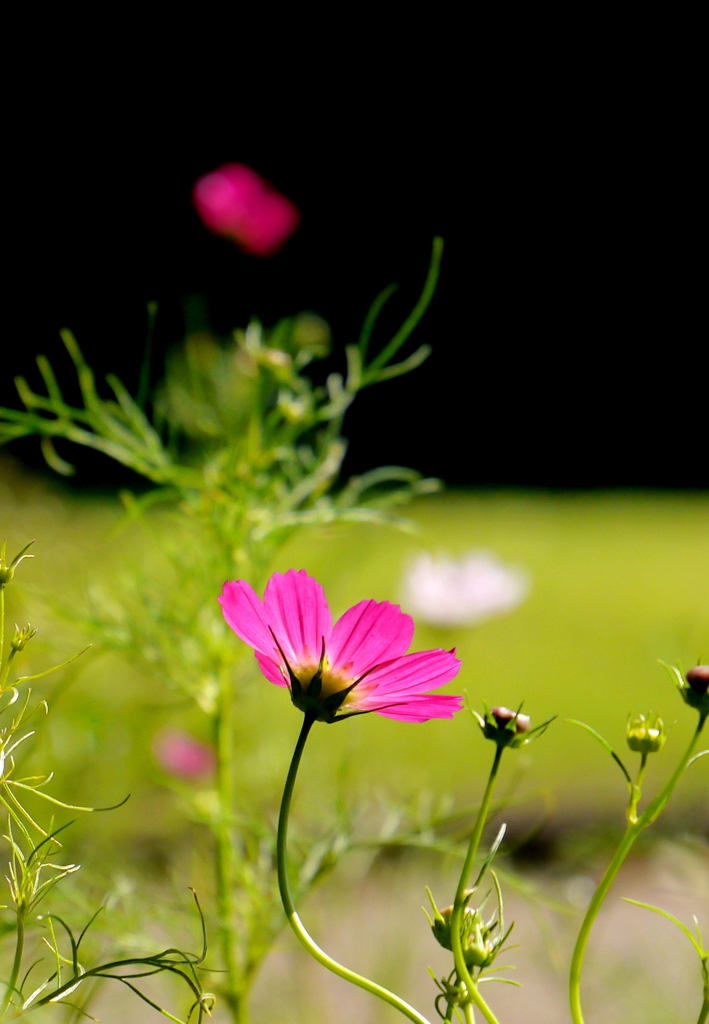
503 715
698 679
182 755
237 203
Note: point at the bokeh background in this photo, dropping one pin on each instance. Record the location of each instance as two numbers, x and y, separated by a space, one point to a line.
562 408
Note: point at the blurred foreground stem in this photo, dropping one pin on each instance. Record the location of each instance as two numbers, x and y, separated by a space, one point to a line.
650 814
289 906
19 950
459 902
704 1012
225 857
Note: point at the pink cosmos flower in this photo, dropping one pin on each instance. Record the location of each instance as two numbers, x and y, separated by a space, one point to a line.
183 755
237 203
358 665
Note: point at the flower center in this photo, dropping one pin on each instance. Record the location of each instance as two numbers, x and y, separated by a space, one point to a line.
333 680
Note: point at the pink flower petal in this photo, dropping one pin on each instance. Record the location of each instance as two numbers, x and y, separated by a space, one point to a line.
270 669
423 708
367 634
298 612
367 644
245 613
413 673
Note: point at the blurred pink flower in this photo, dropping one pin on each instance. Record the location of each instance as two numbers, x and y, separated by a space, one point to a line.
237 203
357 665
450 592
182 755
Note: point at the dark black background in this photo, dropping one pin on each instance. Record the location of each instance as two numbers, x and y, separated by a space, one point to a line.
567 347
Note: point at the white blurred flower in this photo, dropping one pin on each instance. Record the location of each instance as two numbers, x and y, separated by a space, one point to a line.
462 592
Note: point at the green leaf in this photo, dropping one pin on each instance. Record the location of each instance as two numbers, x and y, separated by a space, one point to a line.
60 803
674 673
372 317
606 746
416 314
670 917
54 668
491 855
398 369
53 459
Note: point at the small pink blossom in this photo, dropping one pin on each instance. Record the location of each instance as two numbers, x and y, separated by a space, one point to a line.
183 755
237 203
358 665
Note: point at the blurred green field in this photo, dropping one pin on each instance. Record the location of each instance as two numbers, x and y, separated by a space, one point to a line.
619 580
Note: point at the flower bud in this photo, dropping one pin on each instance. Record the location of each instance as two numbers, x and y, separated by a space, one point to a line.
8 571
646 736
693 686
441 926
698 679
311 334
294 409
507 728
479 947
21 637
503 716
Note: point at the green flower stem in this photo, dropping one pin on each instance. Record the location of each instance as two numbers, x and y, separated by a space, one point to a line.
704 1012
2 624
459 902
650 814
636 792
17 963
225 854
289 906
6 669
599 896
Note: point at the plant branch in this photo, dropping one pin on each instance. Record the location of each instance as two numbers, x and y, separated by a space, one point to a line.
649 815
289 906
460 901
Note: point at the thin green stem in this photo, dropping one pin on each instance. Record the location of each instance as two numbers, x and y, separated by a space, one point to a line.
6 668
459 902
704 1012
17 962
289 906
650 814
478 829
469 1013
657 806
599 896
636 792
2 622
225 853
